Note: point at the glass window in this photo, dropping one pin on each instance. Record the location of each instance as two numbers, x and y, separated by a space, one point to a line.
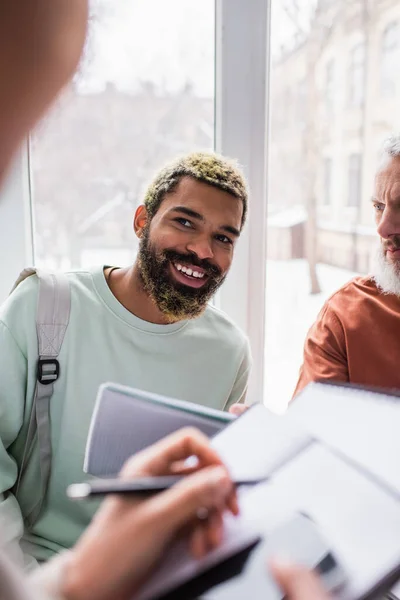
314 244
354 192
143 94
357 75
390 58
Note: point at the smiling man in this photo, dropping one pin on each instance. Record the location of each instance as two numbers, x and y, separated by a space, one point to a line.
356 337
149 326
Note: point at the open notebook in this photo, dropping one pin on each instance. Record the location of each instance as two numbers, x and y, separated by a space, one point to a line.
333 457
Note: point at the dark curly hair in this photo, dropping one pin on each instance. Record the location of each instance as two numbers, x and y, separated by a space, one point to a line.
210 168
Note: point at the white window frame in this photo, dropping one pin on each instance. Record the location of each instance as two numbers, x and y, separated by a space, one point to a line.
242 70
241 116
16 222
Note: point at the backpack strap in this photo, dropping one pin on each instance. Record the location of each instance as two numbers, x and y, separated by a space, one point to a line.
53 310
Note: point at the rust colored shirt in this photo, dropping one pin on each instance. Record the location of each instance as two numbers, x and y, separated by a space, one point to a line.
355 339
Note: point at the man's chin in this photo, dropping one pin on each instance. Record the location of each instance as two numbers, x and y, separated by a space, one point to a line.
174 316
393 260
386 272
179 302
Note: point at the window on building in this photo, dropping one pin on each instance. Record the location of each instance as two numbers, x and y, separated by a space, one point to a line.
354 180
301 104
357 75
330 87
327 191
390 58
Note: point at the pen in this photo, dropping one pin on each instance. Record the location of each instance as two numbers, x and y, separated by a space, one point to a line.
145 486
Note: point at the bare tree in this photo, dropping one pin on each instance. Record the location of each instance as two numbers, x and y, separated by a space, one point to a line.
313 31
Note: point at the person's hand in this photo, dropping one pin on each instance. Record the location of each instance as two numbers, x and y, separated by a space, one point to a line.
297 583
238 409
128 536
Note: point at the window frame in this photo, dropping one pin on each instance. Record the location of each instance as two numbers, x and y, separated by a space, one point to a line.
242 131
16 221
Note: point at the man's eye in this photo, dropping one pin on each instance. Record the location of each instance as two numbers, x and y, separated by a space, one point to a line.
224 239
378 206
184 222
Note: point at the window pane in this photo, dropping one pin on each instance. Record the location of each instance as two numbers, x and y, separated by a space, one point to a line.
357 75
144 93
323 154
330 86
390 57
327 181
354 188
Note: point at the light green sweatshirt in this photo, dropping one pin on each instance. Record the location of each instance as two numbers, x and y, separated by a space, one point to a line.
205 360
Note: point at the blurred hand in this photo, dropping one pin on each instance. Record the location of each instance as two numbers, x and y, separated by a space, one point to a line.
238 409
128 536
297 583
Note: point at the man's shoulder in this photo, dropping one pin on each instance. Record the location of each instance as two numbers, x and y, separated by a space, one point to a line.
356 292
24 295
221 325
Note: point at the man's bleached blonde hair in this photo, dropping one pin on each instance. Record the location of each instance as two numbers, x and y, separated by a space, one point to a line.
207 167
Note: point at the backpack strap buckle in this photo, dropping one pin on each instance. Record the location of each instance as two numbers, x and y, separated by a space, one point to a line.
48 370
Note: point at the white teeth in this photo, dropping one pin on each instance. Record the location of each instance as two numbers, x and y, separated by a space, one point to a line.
189 271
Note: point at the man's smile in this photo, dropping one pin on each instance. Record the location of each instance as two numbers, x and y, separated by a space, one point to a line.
188 274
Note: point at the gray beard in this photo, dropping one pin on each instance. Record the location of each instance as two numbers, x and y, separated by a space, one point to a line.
385 274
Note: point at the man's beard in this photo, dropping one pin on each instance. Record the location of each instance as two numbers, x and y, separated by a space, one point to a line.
175 300
387 274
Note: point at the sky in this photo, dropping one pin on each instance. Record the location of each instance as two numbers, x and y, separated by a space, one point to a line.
168 42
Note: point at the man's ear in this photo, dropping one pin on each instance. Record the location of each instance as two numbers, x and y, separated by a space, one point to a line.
140 220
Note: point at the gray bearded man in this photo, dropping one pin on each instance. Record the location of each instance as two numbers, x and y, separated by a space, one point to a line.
362 318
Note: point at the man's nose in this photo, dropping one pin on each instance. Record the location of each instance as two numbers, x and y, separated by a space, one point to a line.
201 246
389 224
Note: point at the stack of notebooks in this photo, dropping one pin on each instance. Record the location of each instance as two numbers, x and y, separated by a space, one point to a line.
329 496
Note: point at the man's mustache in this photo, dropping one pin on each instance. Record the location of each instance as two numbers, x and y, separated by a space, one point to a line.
185 259
393 243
